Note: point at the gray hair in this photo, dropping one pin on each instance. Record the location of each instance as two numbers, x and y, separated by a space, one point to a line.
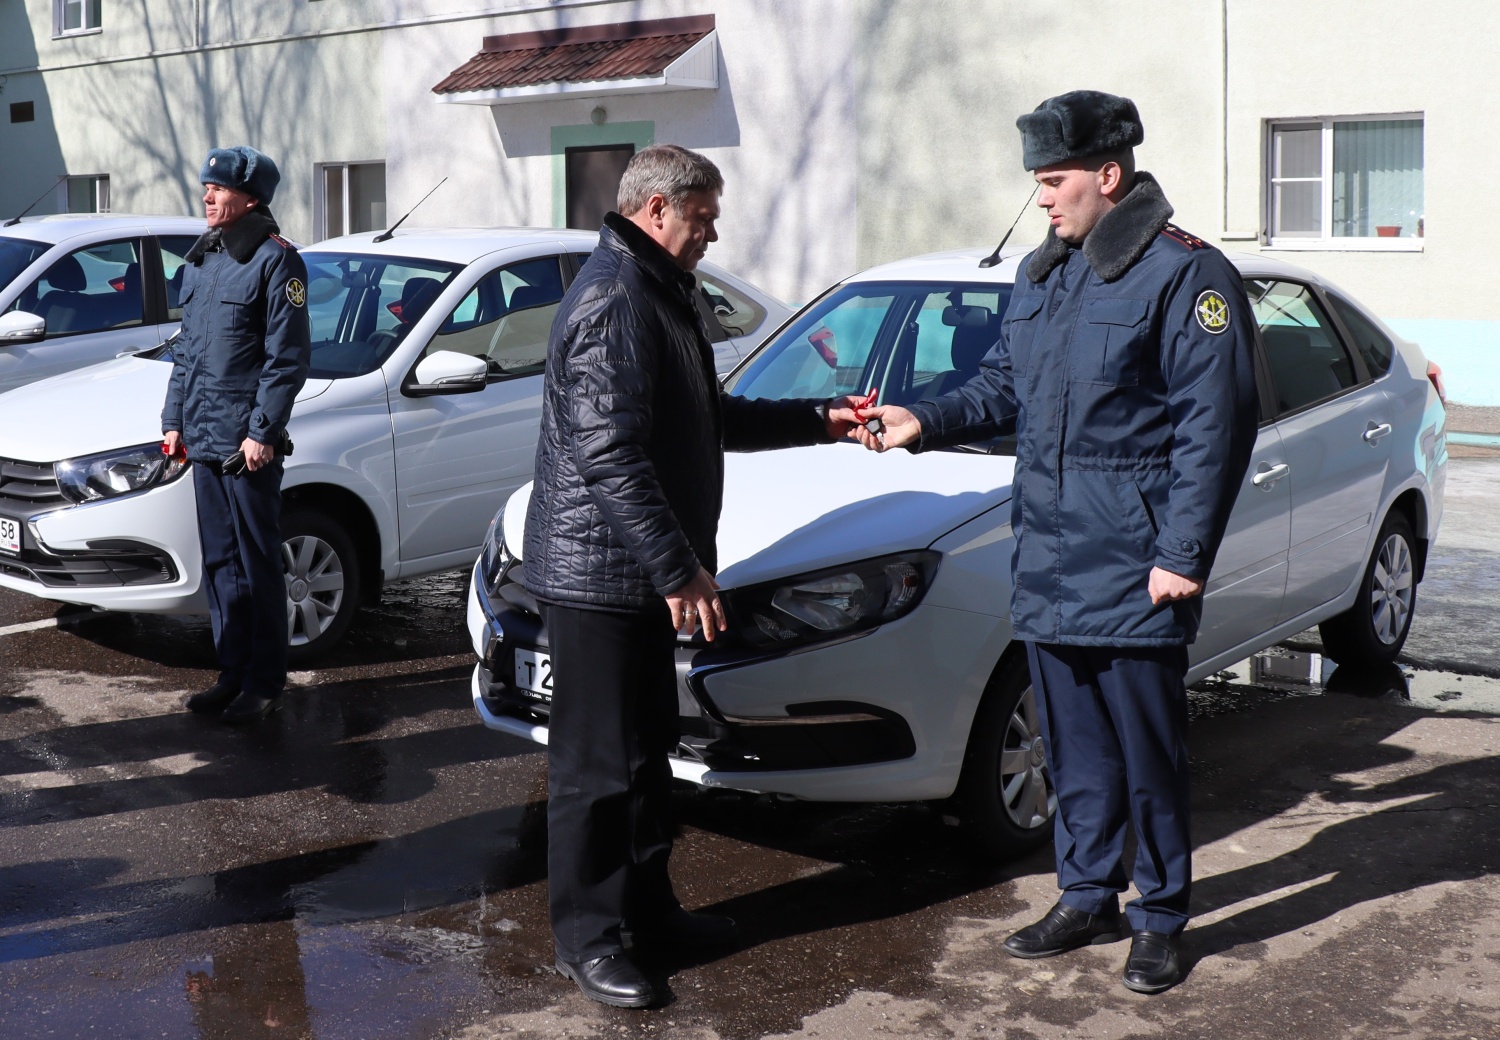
668 170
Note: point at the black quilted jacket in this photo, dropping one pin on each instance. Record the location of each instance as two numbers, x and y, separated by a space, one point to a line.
629 476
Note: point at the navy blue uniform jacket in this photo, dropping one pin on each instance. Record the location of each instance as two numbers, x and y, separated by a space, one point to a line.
243 354
1126 368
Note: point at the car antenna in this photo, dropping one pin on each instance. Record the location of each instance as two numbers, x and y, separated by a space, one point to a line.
385 235
994 258
17 218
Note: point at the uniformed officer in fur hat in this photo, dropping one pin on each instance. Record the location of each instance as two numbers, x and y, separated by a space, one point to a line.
237 367
1125 369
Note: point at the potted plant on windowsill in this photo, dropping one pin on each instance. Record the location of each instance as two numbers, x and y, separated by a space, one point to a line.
1388 230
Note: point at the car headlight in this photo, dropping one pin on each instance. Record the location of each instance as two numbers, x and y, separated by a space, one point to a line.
119 472
496 557
832 602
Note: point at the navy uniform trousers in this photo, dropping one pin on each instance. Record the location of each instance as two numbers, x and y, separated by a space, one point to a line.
609 785
239 528
1115 724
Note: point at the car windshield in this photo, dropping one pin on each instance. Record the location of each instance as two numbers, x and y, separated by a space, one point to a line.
361 307
17 254
912 341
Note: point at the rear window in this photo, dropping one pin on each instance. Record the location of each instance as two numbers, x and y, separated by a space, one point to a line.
1374 346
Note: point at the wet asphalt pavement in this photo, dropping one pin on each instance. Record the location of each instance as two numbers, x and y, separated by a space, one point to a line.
370 862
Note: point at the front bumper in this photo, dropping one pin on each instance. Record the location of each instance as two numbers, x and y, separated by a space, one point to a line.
861 719
136 552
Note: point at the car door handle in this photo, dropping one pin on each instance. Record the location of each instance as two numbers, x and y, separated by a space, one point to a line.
1375 432
1266 477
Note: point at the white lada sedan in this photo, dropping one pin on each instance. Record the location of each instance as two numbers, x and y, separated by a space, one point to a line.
419 417
869 656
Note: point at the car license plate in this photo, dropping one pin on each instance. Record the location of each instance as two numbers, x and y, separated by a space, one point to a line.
534 673
10 535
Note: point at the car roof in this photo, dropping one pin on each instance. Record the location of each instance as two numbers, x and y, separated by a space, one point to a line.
53 228
962 265
455 244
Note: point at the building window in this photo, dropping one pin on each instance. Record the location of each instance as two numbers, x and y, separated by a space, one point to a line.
1353 182
22 111
351 198
76 16
593 182
87 194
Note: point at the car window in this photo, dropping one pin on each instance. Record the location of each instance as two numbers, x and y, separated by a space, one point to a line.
173 249
361 307
911 340
737 314
91 289
506 317
16 255
1308 362
1373 345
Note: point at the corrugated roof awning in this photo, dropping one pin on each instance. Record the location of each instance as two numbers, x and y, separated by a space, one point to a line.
588 61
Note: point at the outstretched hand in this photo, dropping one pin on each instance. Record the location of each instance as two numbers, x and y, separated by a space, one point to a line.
897 426
842 417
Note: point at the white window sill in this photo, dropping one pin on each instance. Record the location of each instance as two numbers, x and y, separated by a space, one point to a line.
1345 245
69 34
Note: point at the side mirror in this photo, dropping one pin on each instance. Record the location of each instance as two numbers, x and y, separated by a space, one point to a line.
22 327
447 372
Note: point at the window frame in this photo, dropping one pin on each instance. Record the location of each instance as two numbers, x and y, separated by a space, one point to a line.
320 195
1270 414
59 18
143 244
564 266
1326 241
101 192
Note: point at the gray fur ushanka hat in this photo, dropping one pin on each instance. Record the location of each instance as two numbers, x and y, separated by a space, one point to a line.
1076 125
244 169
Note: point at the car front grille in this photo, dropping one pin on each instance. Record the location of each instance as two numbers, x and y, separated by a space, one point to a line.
29 487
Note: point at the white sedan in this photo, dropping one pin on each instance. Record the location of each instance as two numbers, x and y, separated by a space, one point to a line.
870 657
419 417
80 288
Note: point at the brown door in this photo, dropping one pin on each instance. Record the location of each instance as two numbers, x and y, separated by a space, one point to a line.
593 180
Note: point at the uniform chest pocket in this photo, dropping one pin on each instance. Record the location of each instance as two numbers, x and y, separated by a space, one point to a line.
1019 329
1110 341
241 307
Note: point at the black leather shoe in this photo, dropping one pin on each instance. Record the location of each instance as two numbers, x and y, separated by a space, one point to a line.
250 707
212 700
611 980
1063 929
685 928
1153 964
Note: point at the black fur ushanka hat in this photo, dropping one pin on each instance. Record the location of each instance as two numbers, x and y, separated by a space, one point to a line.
1076 125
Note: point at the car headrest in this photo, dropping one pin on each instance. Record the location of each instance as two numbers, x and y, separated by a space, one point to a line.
416 296
972 342
67 275
523 296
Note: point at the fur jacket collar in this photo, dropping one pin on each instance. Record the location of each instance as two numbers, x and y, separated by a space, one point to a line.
1118 240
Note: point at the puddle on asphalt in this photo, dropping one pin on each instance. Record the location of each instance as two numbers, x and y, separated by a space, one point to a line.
1283 672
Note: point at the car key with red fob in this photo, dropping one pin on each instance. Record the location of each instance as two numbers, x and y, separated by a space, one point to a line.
873 423
180 455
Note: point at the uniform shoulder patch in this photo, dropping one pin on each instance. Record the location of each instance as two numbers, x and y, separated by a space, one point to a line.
296 292
1212 311
1182 238
280 241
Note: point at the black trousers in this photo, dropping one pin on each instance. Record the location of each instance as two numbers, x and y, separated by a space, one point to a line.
1115 723
609 818
239 529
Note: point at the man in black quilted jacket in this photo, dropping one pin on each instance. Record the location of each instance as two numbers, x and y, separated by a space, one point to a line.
620 554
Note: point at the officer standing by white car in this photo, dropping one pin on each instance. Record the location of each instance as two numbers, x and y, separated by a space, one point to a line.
1125 366
238 366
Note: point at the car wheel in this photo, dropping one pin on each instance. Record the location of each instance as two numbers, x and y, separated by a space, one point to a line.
322 582
1374 629
1005 795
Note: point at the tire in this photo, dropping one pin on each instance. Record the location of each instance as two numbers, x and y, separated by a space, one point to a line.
1005 795
1373 631
322 582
